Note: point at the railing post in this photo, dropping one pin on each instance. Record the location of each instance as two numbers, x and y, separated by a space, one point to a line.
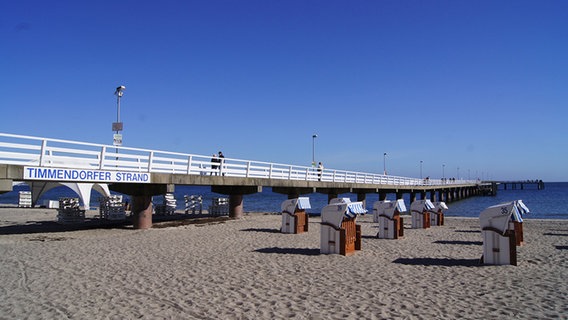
189 160
150 159
307 174
290 173
42 154
102 158
270 171
248 169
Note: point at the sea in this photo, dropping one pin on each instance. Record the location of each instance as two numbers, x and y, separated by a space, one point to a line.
549 203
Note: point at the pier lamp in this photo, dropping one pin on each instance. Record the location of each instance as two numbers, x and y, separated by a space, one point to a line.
117 126
421 169
443 171
385 163
314 136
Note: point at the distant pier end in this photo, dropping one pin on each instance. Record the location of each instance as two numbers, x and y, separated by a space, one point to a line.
520 184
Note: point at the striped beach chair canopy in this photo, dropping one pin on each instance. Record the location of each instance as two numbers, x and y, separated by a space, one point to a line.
440 205
499 216
521 207
290 205
304 203
354 209
421 205
336 212
339 200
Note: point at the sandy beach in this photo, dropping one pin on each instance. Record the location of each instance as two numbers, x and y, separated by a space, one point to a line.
247 269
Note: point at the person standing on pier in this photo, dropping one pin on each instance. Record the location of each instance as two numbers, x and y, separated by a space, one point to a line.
221 160
320 170
214 165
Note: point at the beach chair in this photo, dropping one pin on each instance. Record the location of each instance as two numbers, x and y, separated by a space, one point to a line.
294 216
219 207
69 211
168 205
420 213
501 225
387 214
25 199
112 208
339 232
437 214
193 203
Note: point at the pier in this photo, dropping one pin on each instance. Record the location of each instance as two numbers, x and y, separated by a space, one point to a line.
143 173
521 184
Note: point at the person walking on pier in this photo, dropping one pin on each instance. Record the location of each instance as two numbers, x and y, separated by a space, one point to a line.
320 170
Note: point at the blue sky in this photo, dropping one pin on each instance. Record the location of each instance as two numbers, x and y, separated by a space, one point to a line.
477 85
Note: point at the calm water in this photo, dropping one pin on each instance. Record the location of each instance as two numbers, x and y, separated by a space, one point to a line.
550 203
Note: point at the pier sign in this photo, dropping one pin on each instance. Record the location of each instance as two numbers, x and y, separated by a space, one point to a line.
85 175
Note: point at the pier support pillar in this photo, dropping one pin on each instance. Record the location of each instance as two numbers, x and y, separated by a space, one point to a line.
361 196
142 211
236 197
382 196
141 198
399 195
236 206
331 195
412 196
422 195
433 196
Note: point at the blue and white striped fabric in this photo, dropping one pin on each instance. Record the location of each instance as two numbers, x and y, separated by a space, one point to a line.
521 207
354 208
516 215
304 203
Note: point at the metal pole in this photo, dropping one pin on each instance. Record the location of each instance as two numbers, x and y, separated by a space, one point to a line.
314 149
119 92
420 169
385 163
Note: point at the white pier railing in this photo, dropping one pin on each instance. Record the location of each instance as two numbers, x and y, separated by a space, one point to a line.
44 152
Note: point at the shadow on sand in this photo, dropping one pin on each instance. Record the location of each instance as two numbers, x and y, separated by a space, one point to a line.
302 251
445 262
460 242
267 230
31 227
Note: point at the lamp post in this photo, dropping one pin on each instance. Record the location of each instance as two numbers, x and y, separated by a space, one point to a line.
314 136
385 163
421 169
443 172
117 126
458 173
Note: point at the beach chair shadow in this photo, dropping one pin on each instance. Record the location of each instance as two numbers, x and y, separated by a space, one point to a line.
555 234
460 242
562 247
51 226
261 230
468 231
300 251
444 262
